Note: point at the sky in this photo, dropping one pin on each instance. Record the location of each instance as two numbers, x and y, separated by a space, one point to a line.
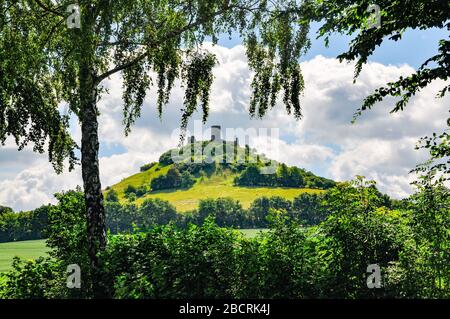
379 145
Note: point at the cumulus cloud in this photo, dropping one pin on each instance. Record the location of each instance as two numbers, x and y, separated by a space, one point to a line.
35 186
380 145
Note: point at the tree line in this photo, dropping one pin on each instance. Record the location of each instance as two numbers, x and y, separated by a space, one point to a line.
307 209
284 177
409 242
43 64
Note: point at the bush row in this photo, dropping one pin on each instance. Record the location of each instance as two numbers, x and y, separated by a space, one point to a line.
330 260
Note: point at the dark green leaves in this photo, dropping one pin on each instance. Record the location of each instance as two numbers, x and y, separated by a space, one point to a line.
44 64
273 50
352 17
198 77
30 91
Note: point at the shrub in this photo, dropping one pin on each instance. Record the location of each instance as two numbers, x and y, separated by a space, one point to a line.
168 263
166 158
33 279
130 189
67 236
146 167
169 181
252 176
111 196
308 209
187 180
284 177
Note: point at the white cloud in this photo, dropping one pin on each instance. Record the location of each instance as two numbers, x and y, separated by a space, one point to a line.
35 186
379 146
384 161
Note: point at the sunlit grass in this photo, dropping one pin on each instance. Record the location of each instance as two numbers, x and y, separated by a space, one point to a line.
30 249
218 185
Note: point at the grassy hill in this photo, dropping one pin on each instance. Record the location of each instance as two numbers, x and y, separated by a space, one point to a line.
33 249
215 184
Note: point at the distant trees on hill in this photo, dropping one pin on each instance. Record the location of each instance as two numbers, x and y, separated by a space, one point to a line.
111 196
249 168
23 225
146 167
284 177
173 179
310 208
183 175
4 210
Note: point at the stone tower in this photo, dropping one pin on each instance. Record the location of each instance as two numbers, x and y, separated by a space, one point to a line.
215 133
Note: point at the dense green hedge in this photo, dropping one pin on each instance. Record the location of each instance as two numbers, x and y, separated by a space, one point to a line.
306 209
284 177
173 179
329 260
23 225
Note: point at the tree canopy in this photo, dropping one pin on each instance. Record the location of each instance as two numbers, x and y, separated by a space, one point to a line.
397 16
45 64
349 17
149 42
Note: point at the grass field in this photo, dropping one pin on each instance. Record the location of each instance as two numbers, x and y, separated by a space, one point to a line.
33 249
30 249
250 233
139 179
214 187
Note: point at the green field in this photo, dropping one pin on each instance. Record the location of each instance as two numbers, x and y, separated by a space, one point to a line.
30 249
33 249
218 185
250 233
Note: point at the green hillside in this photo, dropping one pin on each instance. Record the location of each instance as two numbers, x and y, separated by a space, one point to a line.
211 187
214 182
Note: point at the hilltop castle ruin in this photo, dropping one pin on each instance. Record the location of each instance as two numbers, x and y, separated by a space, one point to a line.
216 136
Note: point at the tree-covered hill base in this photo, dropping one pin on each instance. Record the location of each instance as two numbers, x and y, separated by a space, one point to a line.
214 187
317 246
239 179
